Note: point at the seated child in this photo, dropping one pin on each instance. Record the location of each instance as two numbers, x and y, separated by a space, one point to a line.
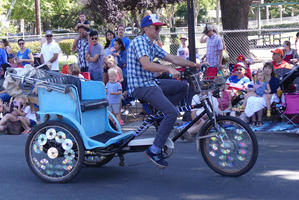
74 69
259 89
15 106
224 99
114 90
28 117
191 132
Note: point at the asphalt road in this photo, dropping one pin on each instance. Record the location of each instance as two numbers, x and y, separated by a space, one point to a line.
275 176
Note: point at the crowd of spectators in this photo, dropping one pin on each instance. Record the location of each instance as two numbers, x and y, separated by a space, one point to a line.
108 63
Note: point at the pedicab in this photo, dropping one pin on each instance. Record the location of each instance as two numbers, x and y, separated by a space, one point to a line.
76 129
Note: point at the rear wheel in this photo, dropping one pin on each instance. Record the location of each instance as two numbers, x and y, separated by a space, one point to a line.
232 149
54 152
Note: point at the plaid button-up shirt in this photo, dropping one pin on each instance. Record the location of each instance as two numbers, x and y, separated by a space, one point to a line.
214 46
82 47
137 75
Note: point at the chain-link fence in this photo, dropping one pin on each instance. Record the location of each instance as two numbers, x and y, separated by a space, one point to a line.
254 44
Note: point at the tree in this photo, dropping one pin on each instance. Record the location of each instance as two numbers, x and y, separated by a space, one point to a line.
54 13
201 8
235 17
113 11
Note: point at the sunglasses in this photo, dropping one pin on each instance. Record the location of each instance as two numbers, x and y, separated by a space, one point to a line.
94 38
157 28
21 43
239 70
49 35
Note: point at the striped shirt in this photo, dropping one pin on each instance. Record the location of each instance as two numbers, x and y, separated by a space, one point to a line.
214 46
137 75
237 84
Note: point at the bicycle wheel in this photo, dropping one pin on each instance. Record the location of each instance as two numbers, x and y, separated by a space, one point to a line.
231 151
54 152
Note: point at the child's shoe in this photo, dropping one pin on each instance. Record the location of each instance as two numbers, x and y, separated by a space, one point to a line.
269 113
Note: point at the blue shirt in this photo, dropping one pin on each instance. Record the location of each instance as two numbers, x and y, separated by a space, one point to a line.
241 81
137 75
274 84
3 57
260 91
125 40
85 22
96 50
113 87
121 60
24 55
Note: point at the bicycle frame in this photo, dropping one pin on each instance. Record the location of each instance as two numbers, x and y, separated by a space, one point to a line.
205 103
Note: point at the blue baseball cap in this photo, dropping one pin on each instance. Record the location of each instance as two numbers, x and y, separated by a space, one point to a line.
48 32
151 20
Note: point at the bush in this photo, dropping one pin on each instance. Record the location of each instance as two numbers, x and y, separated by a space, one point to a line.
66 46
34 47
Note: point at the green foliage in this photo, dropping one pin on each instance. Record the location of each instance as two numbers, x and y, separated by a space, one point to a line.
102 41
202 6
54 13
66 46
34 47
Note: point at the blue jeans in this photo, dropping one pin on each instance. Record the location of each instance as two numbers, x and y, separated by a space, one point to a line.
95 74
163 98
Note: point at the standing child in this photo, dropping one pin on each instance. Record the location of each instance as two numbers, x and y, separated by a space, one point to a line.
114 91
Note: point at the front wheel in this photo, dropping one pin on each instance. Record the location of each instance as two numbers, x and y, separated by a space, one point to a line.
54 152
230 148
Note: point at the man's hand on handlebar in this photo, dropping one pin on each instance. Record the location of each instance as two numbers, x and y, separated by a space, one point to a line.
174 73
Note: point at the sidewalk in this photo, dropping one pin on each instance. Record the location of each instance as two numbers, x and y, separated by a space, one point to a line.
267 127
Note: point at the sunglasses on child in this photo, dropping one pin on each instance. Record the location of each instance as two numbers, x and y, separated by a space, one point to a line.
21 43
239 69
95 38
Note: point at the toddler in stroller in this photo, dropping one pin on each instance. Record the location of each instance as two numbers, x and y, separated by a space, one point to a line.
288 108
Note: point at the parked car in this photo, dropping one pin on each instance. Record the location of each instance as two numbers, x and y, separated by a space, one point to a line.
129 30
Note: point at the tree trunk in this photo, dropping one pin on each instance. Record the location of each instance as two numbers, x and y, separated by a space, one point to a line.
234 17
196 11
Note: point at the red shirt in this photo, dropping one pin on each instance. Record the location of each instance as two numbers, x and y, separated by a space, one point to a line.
283 64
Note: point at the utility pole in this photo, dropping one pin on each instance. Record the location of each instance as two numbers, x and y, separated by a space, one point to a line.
192 51
37 17
191 31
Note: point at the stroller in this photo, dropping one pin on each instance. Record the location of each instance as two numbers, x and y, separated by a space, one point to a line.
288 108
